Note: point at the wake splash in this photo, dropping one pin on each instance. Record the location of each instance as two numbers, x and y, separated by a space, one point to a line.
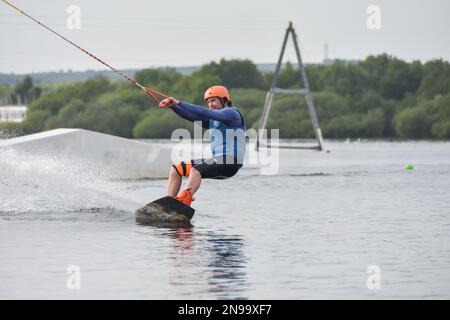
43 183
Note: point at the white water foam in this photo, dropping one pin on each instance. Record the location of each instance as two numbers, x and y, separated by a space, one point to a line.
53 183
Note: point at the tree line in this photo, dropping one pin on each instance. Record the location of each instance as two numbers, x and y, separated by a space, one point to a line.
379 97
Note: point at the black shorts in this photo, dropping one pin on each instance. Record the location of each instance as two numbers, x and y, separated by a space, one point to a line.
214 168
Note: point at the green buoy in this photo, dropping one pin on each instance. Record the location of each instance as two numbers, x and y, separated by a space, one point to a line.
409 167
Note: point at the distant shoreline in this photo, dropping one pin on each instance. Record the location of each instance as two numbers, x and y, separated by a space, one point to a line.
65 76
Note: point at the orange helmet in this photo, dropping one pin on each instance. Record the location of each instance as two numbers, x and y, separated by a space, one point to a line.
217 91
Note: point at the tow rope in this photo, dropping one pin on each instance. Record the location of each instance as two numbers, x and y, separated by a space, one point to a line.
149 91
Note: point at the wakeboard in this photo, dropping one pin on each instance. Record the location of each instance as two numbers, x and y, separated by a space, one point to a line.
166 210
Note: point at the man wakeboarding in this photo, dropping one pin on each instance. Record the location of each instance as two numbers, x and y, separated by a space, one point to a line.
227 135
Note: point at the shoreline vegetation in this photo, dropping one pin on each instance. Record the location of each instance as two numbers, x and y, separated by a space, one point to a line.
381 97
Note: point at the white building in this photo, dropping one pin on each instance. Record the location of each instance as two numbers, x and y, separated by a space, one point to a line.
13 113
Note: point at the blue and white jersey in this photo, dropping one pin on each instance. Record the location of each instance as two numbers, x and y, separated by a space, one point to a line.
227 128
228 140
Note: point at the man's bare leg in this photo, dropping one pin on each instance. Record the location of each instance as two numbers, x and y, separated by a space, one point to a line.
174 183
194 181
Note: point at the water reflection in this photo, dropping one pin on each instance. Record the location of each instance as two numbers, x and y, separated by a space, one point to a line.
227 266
208 265
183 240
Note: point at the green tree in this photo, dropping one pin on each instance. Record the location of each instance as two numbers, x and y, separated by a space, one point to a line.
250 103
50 102
191 88
436 79
159 124
23 88
344 78
70 115
10 130
329 105
399 78
92 88
344 126
25 91
441 129
442 106
289 77
5 94
160 79
373 123
370 101
413 123
234 73
36 120
441 117
117 121
289 114
381 96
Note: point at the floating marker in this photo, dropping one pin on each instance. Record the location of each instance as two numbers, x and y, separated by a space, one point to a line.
409 167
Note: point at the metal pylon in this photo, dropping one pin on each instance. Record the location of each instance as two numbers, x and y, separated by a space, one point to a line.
305 91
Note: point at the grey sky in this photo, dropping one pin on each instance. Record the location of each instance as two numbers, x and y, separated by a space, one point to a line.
146 33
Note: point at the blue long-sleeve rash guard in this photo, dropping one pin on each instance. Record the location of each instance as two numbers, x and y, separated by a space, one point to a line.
191 112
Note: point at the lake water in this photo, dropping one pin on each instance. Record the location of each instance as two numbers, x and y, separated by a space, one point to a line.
348 224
